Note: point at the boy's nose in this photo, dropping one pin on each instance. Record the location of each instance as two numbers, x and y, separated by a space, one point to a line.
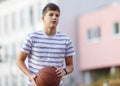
54 16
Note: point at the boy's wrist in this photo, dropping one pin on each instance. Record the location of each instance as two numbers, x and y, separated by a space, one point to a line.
66 72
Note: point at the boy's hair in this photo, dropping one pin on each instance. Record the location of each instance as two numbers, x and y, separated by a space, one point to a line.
50 7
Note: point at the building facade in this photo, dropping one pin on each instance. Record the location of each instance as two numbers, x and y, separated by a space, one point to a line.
99 45
17 19
69 23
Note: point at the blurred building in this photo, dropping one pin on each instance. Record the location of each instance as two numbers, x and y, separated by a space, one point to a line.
17 19
79 18
100 39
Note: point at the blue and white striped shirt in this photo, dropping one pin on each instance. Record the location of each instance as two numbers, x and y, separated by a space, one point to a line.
47 50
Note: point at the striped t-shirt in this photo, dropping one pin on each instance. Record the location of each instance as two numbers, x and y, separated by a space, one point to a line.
47 50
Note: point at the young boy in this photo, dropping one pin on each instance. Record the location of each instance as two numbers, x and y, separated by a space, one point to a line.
47 48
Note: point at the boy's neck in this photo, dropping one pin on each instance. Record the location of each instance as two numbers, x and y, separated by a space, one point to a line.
50 31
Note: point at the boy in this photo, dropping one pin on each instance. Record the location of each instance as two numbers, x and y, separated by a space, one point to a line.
47 48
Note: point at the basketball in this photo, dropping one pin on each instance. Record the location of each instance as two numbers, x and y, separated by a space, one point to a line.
47 77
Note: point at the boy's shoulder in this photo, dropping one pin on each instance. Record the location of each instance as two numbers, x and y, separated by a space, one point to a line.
35 33
61 34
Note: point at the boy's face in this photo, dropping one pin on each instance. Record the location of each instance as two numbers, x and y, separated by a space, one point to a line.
51 19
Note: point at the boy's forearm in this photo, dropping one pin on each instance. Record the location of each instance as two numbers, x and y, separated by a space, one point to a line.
23 68
21 63
69 69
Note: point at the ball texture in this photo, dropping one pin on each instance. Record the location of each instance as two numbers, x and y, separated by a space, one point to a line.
47 77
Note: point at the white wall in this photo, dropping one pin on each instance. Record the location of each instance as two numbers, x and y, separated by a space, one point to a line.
10 75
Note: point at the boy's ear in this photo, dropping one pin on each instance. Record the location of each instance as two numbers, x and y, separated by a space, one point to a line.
42 17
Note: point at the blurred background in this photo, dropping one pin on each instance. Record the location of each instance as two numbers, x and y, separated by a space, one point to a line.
94 26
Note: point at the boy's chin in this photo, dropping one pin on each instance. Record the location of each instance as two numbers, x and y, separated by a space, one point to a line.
54 26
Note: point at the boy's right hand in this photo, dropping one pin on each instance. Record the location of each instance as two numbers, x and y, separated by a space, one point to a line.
33 77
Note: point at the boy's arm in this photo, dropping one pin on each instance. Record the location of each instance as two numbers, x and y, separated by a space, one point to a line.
69 64
21 64
69 67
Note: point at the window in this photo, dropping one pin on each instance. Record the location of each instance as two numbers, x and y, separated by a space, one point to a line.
22 81
97 32
89 34
14 81
0 54
6 24
14 51
116 28
39 11
2 0
22 18
0 25
6 53
100 73
6 81
31 15
13 21
93 34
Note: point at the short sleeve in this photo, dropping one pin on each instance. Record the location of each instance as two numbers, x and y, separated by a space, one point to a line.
27 44
69 48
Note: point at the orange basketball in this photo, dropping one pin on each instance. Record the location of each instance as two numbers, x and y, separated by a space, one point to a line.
47 77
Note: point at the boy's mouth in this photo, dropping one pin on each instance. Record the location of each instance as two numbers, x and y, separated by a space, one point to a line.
54 22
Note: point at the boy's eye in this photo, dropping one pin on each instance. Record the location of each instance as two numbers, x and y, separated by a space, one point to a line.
51 14
57 15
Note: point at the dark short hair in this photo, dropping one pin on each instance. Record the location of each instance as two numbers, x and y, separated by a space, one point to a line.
50 6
